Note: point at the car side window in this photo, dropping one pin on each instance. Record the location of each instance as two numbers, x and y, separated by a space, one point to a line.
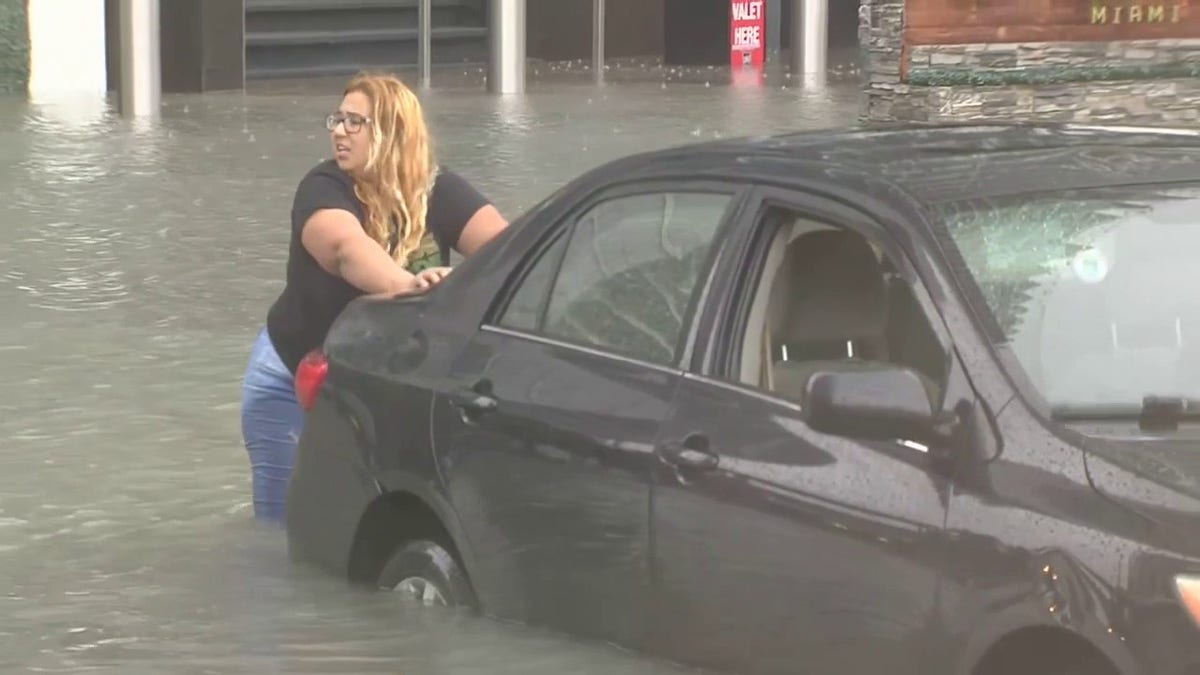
524 311
829 297
627 277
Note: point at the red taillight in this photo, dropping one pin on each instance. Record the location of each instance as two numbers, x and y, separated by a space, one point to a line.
309 377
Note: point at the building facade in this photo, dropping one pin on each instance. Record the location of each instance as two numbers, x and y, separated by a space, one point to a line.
1129 61
210 45
922 60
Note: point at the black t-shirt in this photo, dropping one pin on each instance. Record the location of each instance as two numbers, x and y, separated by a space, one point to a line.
313 298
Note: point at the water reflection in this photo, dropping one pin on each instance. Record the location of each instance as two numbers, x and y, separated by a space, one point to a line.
136 266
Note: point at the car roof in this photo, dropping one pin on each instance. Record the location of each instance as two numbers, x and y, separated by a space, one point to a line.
936 163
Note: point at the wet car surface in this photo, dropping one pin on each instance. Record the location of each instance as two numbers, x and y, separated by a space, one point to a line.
801 402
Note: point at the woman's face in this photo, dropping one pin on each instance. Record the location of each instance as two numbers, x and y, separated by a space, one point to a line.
350 136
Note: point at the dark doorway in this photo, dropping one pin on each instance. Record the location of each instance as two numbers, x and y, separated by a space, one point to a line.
843 24
696 32
201 45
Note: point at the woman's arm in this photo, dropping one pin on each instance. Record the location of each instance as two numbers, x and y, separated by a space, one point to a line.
485 224
336 239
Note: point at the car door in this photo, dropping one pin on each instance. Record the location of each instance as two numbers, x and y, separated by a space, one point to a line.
778 548
548 420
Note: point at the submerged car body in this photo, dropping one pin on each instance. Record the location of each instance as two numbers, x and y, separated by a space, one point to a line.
834 402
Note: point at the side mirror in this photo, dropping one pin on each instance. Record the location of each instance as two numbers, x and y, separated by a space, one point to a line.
876 403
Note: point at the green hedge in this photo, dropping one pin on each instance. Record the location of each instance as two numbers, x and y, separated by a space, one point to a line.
14 46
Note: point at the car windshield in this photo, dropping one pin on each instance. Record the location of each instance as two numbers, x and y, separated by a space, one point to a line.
1096 292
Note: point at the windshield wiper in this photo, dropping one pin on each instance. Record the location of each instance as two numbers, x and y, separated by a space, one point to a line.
1156 413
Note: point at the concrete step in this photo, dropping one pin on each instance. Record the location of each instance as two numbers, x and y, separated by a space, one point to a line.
330 37
259 6
299 38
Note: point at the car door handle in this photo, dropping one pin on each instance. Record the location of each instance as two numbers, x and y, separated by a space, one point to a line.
471 400
693 453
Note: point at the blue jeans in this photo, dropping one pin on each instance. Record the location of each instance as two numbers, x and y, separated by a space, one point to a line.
271 423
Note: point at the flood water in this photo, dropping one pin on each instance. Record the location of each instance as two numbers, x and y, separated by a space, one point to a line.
137 261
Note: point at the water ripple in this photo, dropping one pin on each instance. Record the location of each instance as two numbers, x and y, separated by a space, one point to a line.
136 267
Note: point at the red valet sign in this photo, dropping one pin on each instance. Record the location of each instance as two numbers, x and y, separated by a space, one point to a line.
747 33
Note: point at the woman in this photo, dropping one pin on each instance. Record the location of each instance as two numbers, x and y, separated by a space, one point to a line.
357 219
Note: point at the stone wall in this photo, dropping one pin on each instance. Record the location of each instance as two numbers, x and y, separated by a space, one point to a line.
1134 81
14 46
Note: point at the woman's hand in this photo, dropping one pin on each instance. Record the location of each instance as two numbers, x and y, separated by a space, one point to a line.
428 277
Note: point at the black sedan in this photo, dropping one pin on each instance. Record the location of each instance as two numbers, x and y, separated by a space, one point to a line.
910 400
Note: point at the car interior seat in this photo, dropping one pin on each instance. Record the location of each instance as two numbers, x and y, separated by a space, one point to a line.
754 369
828 309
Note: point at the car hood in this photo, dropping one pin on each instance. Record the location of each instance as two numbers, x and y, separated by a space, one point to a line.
1157 474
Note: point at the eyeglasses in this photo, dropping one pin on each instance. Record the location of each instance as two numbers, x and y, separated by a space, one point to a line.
351 121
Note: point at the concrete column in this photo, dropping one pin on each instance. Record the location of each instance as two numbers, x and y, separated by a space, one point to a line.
506 65
810 36
599 31
816 36
141 65
425 40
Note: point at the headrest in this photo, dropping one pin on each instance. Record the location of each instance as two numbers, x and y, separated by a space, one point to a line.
836 289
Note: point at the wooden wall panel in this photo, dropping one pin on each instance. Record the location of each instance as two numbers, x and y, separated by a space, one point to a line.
986 21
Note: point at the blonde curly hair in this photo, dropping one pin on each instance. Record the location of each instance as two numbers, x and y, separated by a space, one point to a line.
400 169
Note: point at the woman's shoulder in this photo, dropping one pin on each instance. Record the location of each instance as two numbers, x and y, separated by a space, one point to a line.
444 172
327 172
452 204
451 186
325 186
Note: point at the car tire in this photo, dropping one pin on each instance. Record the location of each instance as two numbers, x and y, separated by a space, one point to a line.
425 572
1053 657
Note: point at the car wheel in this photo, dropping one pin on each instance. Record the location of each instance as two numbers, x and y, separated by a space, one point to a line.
425 572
